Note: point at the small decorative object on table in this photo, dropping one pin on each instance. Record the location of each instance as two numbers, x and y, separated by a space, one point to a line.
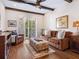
37 39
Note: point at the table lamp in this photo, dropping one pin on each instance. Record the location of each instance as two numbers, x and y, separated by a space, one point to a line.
76 24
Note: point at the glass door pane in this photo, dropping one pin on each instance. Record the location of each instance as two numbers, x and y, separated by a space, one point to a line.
33 27
30 28
26 28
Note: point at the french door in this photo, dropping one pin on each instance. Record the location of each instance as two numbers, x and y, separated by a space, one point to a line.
30 28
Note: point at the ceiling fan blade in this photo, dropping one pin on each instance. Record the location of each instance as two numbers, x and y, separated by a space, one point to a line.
43 0
48 8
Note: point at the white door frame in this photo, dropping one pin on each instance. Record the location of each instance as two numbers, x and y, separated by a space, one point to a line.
26 19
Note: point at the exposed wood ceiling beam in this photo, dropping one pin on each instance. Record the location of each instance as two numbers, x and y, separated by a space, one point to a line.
43 7
24 10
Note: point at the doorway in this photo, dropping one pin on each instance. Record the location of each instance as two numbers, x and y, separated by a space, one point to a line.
30 28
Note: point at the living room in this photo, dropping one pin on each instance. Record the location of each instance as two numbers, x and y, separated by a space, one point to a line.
51 28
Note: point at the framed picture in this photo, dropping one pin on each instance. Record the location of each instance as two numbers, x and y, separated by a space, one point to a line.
62 22
12 23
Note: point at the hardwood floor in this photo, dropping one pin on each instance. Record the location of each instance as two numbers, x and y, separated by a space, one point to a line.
22 52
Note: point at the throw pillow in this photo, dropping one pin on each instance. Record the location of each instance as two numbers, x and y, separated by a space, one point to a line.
61 34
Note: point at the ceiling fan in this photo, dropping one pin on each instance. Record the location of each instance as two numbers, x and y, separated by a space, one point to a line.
69 1
36 3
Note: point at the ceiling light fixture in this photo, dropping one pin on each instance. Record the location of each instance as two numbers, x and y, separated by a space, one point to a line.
38 3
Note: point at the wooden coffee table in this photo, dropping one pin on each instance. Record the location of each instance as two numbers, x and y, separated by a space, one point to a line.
39 45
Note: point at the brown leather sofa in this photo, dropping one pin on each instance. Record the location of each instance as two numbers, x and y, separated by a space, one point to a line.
61 44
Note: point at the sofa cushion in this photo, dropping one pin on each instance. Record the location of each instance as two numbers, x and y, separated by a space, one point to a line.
53 33
61 34
68 34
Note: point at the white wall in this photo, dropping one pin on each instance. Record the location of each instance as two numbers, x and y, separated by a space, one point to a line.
16 15
2 17
70 9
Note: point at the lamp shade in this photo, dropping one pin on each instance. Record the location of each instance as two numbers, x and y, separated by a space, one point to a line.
76 24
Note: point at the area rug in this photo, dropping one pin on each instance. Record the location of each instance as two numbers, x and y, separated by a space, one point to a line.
40 54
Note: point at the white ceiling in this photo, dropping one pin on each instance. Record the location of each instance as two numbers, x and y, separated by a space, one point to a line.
49 3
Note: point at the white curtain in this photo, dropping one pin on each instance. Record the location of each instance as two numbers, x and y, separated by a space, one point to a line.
20 25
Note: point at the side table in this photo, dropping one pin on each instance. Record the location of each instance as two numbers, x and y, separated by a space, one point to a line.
74 43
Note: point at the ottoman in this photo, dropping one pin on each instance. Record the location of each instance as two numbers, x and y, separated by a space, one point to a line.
39 45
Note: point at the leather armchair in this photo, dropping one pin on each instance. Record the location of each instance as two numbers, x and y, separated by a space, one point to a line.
19 38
